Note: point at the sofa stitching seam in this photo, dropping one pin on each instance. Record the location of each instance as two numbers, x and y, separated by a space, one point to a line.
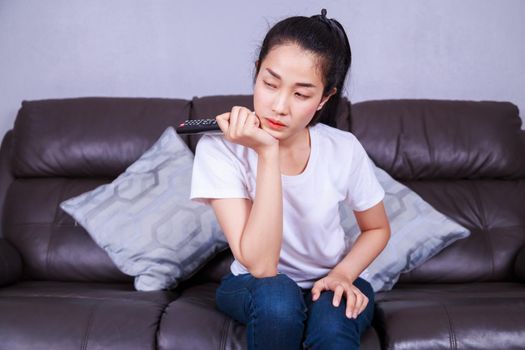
48 252
57 207
451 333
224 333
162 316
484 232
89 326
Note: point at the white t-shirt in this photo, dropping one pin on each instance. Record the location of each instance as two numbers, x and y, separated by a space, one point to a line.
313 240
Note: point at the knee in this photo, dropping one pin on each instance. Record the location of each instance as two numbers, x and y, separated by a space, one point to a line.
328 326
278 298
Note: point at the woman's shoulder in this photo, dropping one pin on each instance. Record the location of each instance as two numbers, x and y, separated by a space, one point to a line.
217 141
334 135
218 146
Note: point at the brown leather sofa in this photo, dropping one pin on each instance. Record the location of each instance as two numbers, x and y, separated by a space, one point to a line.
59 290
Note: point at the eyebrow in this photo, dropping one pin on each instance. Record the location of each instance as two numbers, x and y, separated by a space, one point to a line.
307 85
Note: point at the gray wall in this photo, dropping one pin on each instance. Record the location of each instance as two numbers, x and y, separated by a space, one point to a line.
444 49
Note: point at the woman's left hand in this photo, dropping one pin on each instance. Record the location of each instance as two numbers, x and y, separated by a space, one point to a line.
355 300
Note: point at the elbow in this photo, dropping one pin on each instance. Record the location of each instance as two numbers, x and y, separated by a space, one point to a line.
263 270
260 268
263 273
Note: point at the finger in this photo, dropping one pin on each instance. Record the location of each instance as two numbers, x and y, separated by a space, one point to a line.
350 303
348 311
358 304
233 121
223 120
254 120
338 294
317 289
363 305
360 299
241 120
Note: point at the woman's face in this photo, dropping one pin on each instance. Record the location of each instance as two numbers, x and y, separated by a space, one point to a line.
288 90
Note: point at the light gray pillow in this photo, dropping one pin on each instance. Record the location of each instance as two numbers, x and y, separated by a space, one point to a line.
145 220
418 233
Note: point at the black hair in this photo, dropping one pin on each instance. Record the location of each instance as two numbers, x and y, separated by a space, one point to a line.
325 38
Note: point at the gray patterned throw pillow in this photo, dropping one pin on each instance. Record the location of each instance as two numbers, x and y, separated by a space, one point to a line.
418 233
145 220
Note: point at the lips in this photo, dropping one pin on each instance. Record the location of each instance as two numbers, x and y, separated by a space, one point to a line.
275 122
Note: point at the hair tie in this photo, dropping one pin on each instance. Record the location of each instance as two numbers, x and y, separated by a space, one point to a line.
332 25
322 17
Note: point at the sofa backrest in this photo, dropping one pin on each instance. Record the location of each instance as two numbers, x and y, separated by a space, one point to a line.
62 148
467 159
442 139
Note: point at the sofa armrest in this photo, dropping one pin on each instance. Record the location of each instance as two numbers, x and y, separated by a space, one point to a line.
519 264
10 263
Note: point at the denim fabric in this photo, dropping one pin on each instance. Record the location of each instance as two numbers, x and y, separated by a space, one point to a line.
278 314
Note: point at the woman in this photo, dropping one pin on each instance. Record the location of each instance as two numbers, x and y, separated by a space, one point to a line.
275 179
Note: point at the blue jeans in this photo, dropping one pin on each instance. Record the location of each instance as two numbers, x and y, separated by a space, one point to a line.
278 314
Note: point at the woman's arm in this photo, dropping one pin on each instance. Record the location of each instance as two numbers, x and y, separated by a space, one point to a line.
255 232
375 233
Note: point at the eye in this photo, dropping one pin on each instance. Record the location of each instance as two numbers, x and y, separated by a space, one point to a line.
301 96
269 85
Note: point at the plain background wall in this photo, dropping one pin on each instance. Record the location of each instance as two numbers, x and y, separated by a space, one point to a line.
443 49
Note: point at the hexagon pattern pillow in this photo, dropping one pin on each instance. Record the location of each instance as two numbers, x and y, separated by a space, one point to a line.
145 220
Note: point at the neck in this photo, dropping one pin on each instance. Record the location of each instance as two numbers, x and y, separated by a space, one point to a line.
297 141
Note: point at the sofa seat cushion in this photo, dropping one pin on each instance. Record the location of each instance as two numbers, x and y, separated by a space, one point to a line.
463 316
193 322
58 315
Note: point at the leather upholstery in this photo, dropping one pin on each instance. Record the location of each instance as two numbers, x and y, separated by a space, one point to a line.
52 245
66 315
433 139
6 177
452 316
10 263
57 137
519 266
463 157
491 209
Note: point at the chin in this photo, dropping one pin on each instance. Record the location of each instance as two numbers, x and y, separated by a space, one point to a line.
277 134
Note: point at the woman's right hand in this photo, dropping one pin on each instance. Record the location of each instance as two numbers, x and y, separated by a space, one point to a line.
242 126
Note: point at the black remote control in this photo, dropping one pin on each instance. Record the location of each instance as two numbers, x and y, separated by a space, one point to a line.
199 126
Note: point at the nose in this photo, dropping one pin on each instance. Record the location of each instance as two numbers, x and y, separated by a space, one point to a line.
280 104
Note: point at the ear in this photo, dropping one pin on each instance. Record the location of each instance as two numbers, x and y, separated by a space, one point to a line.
326 98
